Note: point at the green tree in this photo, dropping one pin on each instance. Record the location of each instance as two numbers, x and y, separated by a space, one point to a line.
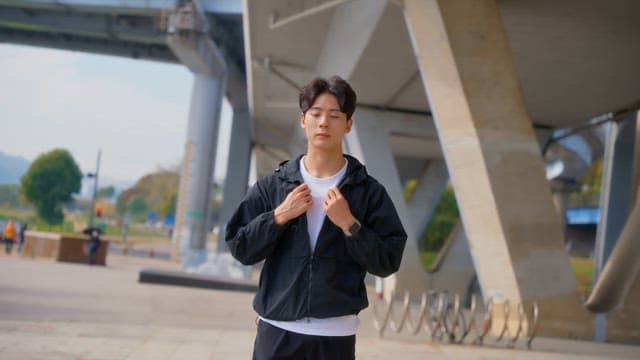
49 183
138 209
155 192
169 204
105 192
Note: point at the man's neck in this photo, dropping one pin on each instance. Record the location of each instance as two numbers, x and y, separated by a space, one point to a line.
323 164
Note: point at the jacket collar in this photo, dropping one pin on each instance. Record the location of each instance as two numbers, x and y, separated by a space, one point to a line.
289 171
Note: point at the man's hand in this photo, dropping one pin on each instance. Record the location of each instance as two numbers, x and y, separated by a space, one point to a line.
297 202
337 209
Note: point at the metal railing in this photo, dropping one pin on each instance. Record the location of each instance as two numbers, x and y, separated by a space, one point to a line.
443 319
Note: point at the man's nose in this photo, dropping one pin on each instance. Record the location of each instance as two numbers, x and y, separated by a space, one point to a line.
324 120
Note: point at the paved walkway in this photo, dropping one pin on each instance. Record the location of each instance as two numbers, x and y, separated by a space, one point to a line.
51 310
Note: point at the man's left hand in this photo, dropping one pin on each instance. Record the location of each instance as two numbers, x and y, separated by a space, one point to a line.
337 209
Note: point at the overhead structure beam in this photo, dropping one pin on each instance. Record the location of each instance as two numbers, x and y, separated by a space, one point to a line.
283 17
348 36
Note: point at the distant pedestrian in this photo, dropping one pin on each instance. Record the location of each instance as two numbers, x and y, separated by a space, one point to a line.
23 228
125 230
9 236
94 243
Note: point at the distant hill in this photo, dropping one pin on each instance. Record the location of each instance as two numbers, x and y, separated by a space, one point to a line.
12 168
155 192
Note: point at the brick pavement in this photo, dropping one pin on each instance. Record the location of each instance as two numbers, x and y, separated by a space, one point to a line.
51 310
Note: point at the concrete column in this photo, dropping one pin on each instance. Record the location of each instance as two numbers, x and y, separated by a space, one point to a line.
635 178
616 189
494 160
196 180
187 37
369 142
237 179
560 200
616 198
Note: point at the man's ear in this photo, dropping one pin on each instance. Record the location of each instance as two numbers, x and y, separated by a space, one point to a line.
349 125
303 123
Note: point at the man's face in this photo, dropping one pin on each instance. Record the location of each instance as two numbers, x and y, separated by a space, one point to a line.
325 124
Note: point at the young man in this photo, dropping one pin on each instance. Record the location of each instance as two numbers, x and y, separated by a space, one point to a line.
320 222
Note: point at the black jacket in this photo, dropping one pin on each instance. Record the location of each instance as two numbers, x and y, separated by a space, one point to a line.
295 283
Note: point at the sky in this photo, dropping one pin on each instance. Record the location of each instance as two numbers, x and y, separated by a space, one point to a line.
134 111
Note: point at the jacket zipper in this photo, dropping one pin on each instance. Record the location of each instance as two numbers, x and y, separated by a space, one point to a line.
340 187
309 295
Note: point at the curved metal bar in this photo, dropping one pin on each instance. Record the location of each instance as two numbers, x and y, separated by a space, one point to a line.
441 309
431 322
414 329
458 321
506 310
471 324
521 318
397 327
378 324
449 325
534 325
487 322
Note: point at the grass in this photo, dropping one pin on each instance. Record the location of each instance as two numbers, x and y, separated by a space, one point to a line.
583 270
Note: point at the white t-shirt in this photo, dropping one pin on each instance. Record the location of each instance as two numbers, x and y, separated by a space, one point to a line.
319 188
335 326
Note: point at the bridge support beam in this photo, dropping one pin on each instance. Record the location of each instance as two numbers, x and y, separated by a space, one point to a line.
618 197
238 163
369 142
196 179
494 161
188 40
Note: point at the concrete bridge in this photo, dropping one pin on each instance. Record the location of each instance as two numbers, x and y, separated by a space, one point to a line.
471 92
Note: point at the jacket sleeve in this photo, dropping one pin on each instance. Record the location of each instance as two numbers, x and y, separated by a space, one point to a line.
379 245
252 232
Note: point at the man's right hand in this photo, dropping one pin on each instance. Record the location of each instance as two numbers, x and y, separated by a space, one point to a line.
297 202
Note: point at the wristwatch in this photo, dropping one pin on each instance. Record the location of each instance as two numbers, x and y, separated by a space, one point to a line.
354 229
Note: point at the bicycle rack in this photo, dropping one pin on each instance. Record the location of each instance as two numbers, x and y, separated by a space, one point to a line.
442 318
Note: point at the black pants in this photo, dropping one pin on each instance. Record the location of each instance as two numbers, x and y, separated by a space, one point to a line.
273 343
93 251
8 245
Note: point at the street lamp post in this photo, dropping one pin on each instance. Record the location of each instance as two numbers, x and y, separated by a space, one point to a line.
95 189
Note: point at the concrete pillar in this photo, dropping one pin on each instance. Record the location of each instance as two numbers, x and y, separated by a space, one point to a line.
616 189
560 199
187 37
237 179
196 180
494 160
617 197
635 177
369 142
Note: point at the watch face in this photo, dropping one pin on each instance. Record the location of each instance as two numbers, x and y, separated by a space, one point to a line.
354 228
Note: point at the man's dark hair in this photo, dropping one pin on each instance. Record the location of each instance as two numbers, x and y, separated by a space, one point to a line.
335 86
